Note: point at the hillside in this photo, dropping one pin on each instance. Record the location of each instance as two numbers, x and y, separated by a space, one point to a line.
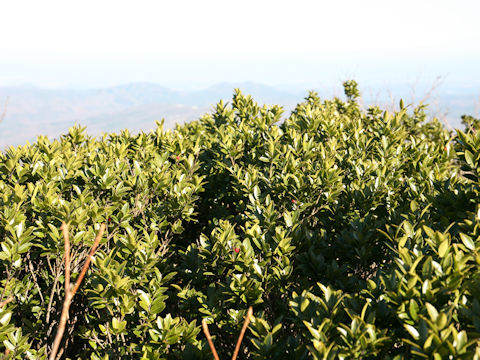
34 111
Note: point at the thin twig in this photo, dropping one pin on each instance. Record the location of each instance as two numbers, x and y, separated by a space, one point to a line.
66 239
50 301
70 293
240 338
439 80
50 265
242 333
108 335
4 110
89 258
6 301
60 353
68 296
30 267
6 285
209 339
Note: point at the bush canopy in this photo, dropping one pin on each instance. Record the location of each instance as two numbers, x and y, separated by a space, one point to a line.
354 234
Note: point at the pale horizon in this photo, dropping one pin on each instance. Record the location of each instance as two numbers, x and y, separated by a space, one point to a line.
191 45
393 50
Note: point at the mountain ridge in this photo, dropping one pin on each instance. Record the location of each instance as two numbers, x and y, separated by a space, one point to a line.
34 111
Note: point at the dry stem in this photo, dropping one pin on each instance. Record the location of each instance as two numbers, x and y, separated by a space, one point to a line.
6 301
242 333
4 110
240 338
209 339
89 258
70 293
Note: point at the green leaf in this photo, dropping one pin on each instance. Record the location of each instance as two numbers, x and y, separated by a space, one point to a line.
288 219
118 325
315 333
441 321
432 312
412 331
469 158
5 318
467 241
19 229
256 192
444 248
144 300
462 340
408 229
413 309
157 306
9 345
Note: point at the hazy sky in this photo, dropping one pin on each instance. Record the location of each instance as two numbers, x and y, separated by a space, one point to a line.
197 43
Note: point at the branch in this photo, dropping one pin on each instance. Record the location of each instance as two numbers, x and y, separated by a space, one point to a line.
209 339
50 301
242 333
4 110
64 229
439 80
240 338
6 301
70 293
89 258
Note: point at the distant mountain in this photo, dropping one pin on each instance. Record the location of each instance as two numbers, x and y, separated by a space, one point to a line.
261 93
35 111
143 117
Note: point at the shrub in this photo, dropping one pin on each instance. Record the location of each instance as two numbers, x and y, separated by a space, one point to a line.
352 233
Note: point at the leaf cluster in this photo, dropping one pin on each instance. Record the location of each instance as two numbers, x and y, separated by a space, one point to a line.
353 233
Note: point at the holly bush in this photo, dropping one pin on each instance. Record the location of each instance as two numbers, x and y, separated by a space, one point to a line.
353 233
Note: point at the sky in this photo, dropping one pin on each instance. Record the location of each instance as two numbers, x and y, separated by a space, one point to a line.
192 44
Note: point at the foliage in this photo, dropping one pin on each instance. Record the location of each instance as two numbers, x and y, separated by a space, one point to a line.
353 234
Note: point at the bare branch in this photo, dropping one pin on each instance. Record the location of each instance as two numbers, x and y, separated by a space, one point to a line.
209 339
439 80
4 110
89 258
240 338
64 229
476 107
242 333
6 301
54 288
30 268
70 293
68 296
